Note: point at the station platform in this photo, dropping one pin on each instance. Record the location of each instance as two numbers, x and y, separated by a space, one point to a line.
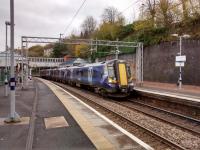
53 119
187 92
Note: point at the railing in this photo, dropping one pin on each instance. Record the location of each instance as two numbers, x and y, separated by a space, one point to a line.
43 59
44 62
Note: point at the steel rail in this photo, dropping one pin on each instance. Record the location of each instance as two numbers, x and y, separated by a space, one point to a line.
177 114
160 118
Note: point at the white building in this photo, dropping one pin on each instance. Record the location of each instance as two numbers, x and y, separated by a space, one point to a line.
48 52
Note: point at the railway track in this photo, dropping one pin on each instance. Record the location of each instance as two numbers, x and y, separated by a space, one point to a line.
181 121
152 138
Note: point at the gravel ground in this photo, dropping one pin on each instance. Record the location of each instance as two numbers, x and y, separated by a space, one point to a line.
176 135
184 139
181 122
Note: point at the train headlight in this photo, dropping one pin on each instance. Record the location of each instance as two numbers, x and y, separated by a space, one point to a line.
110 80
130 79
131 84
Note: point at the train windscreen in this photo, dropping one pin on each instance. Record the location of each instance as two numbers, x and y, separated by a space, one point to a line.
128 71
111 71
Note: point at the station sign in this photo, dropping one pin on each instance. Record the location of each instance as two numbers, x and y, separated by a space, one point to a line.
181 58
179 64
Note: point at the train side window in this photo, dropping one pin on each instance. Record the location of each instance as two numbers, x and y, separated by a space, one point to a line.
95 74
74 73
81 73
77 72
85 73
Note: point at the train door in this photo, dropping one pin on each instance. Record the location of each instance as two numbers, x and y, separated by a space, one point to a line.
122 74
71 74
90 75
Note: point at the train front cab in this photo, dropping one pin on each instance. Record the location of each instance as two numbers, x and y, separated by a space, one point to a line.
119 74
123 73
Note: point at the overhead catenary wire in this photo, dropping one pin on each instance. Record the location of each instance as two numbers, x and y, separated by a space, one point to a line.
129 6
70 23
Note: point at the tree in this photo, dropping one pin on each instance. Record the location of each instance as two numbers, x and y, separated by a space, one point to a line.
112 24
164 13
151 9
81 51
108 31
194 7
184 4
120 20
88 26
36 51
142 25
126 30
48 46
60 50
112 15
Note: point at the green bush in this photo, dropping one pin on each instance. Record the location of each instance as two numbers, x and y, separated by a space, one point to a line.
149 36
126 30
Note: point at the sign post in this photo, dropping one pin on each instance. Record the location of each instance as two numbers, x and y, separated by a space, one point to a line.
180 62
180 59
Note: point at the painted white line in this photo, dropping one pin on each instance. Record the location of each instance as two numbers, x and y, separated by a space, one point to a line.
182 96
131 136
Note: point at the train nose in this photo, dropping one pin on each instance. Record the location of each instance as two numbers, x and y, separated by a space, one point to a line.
124 90
122 74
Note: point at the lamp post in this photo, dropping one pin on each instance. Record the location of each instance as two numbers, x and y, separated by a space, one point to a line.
22 69
60 39
13 117
6 60
180 54
143 11
117 53
27 69
96 48
117 50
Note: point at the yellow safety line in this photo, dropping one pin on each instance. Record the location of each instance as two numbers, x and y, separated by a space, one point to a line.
99 141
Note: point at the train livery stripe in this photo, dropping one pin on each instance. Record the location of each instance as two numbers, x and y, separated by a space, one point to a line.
122 74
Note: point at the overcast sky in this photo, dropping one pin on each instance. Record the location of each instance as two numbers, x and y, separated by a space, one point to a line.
50 17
